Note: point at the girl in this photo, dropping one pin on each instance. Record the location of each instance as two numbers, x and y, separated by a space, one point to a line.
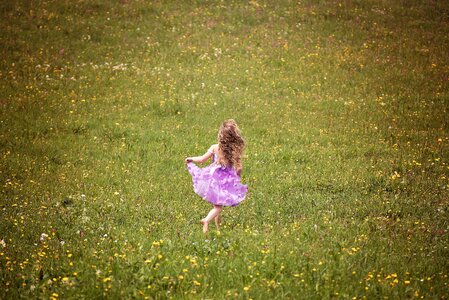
219 183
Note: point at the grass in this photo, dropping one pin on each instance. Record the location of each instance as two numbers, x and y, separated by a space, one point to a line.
343 105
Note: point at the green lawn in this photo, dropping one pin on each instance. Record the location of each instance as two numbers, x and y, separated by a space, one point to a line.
344 108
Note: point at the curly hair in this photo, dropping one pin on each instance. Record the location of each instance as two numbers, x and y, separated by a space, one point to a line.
230 145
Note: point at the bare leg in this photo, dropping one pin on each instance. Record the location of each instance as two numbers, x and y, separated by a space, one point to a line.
217 221
205 225
214 212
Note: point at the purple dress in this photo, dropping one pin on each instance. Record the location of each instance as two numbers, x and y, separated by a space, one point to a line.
217 184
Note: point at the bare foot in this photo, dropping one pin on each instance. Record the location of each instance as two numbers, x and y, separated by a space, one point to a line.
205 226
218 222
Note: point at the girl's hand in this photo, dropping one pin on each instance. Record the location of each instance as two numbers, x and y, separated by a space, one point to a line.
188 160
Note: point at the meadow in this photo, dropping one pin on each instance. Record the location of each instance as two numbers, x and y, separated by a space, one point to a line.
344 108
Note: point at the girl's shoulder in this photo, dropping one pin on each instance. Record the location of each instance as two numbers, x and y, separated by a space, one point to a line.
213 149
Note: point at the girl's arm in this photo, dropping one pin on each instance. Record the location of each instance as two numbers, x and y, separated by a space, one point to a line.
239 172
201 159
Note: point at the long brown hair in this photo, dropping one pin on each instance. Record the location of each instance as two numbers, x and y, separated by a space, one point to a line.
230 145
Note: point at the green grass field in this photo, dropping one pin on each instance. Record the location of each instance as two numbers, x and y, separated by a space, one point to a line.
344 108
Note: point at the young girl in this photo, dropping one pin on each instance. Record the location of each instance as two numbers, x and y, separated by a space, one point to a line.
219 183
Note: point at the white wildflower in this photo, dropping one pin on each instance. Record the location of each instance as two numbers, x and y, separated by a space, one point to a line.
43 236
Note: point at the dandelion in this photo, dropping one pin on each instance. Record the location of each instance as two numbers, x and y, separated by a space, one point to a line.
196 283
395 175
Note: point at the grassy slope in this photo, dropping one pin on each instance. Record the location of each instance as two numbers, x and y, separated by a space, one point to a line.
101 102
